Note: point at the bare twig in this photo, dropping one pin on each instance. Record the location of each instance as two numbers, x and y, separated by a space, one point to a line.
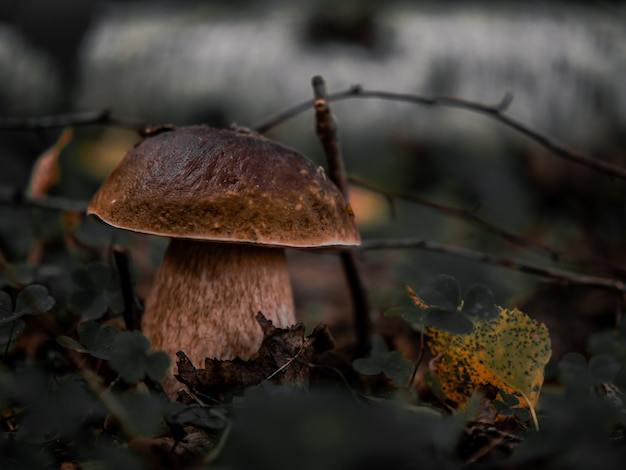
496 112
469 215
88 118
327 133
326 130
14 196
510 263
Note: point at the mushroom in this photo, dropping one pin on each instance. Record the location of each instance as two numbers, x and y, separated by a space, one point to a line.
231 202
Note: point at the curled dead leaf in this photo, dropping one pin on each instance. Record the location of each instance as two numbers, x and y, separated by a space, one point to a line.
45 173
281 359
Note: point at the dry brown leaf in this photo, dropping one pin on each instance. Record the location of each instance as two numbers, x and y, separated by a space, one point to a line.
45 173
275 361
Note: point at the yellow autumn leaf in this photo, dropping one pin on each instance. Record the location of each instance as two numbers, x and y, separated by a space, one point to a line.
509 352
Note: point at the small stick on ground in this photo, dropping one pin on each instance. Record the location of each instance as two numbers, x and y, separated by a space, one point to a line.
327 133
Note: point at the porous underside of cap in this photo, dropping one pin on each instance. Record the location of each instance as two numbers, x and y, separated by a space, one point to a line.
219 185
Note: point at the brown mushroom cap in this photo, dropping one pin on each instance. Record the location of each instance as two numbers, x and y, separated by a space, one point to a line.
219 185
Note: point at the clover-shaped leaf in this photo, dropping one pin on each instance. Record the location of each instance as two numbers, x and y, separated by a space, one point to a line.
451 321
381 360
442 292
97 292
132 359
95 339
576 374
509 405
139 412
440 302
480 303
411 314
32 300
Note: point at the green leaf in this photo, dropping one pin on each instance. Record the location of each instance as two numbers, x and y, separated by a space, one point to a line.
603 369
397 368
451 321
17 274
438 305
81 278
98 338
509 398
32 300
157 365
381 360
9 332
132 360
6 305
95 339
116 301
510 406
479 303
416 316
398 311
523 414
573 371
443 292
100 275
502 408
379 346
140 413
71 343
88 304
368 366
98 291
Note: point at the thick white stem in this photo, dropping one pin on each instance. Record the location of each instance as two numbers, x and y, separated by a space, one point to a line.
206 295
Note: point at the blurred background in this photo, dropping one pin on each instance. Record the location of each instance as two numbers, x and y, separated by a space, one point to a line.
188 62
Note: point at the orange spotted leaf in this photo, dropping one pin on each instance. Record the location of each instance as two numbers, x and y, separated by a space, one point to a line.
509 352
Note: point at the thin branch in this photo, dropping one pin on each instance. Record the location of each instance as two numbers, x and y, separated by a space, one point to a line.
326 130
469 215
88 118
327 133
496 112
18 197
502 261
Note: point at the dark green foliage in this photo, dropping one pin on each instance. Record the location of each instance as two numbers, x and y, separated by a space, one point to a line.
98 291
132 359
31 300
508 405
577 374
281 428
20 274
95 339
381 360
443 308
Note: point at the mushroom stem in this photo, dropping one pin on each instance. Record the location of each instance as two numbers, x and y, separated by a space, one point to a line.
205 298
